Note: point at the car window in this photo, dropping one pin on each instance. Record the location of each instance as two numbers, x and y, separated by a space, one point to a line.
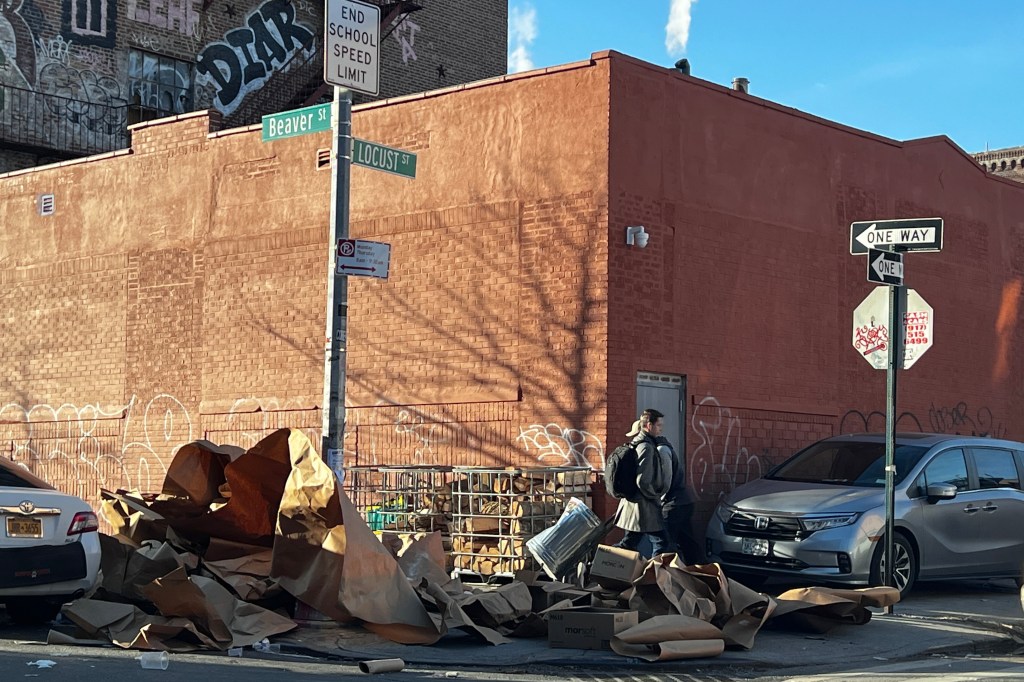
947 467
853 463
996 468
11 479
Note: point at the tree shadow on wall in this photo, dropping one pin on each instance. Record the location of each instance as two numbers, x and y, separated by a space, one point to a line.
487 344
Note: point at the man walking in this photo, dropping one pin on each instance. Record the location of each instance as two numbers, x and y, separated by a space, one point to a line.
677 509
643 516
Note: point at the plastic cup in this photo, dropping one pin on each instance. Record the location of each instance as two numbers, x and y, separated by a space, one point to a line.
154 660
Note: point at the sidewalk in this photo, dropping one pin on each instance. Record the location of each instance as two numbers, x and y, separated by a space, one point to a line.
953 619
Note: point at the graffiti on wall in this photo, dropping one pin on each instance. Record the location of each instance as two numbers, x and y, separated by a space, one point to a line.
173 15
959 419
84 98
17 41
250 54
89 22
250 419
55 50
405 34
720 460
566 446
70 444
426 432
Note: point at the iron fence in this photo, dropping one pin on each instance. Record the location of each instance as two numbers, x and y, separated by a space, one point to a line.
59 125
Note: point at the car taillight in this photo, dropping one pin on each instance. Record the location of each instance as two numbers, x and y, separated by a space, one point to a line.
83 522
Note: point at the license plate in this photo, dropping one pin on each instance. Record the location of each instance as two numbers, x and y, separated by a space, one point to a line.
755 546
24 528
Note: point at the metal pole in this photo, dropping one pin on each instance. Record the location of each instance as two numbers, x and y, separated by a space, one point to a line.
333 407
896 296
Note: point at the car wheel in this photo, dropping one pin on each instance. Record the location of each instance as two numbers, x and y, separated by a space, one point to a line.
904 561
32 611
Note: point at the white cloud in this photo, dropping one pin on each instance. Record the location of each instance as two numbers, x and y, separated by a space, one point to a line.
522 30
677 30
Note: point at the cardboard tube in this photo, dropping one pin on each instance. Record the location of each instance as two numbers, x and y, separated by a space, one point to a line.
383 665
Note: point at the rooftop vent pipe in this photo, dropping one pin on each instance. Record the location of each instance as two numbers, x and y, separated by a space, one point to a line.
683 66
740 85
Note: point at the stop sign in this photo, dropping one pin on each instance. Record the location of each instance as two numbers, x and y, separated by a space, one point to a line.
871 328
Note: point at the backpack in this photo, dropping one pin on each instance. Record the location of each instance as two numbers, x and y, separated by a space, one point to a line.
620 472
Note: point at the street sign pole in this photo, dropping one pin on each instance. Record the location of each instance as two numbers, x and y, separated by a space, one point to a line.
897 303
333 407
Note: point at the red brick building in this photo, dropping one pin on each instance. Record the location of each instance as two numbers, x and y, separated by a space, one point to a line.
176 290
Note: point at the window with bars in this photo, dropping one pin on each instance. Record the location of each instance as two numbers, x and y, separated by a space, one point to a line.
158 86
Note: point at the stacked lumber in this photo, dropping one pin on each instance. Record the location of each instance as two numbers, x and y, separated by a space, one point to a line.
494 513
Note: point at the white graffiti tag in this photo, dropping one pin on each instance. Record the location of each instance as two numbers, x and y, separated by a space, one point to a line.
425 433
84 448
720 458
405 34
571 446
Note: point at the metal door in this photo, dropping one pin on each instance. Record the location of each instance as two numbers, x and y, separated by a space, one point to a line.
667 394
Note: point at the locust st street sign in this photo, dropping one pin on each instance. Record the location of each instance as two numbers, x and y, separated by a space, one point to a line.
387 159
885 267
913 234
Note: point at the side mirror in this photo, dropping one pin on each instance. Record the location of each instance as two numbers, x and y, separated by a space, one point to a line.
941 491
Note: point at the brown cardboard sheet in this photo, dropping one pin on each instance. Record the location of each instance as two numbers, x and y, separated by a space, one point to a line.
820 609
325 555
666 638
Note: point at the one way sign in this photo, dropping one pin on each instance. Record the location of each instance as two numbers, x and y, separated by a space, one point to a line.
885 267
912 234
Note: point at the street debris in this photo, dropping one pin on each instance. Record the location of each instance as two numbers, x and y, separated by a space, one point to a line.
239 545
42 663
383 665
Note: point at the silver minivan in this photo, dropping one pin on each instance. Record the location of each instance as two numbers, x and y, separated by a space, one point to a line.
820 515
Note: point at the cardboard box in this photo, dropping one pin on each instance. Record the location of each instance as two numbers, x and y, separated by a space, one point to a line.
587 627
615 567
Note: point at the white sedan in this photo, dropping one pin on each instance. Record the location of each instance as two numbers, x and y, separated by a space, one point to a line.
49 546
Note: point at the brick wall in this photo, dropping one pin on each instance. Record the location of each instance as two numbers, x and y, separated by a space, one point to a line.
178 290
747 287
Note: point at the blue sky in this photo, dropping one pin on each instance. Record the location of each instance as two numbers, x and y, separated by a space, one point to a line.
899 68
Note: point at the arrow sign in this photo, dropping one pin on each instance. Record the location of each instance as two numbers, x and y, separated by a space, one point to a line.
914 234
885 267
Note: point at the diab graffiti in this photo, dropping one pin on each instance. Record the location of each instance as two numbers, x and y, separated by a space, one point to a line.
249 55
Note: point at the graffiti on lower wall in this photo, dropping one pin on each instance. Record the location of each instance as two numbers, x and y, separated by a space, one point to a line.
558 445
958 419
250 54
719 461
91 446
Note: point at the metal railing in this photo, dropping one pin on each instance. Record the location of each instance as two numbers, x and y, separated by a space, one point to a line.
61 126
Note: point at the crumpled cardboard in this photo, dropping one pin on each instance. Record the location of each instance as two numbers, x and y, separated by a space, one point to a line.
195 612
248 576
230 528
325 555
666 638
127 569
819 609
